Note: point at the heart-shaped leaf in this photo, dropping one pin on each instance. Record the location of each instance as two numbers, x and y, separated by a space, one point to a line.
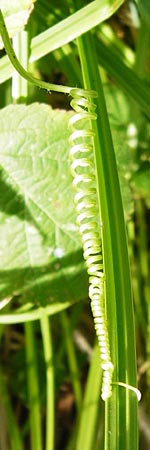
41 254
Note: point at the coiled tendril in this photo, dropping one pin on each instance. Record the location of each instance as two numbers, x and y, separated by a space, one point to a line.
83 171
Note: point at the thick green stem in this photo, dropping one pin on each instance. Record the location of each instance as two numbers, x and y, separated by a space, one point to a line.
121 426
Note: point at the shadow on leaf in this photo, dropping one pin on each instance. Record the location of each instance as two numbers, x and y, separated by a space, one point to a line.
64 279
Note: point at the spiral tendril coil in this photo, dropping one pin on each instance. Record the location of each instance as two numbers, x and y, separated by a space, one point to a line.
83 172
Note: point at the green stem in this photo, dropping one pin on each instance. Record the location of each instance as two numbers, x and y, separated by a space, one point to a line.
19 84
15 62
35 314
33 389
48 355
121 426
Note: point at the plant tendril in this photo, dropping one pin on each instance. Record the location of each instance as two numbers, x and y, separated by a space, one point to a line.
20 69
83 171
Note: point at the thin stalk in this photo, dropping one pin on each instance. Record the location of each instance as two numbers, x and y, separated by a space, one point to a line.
35 314
48 355
6 97
121 426
19 84
15 62
33 388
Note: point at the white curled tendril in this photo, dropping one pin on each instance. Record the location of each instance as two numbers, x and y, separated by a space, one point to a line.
83 172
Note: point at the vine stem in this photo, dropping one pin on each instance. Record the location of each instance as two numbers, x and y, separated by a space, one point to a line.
15 62
48 355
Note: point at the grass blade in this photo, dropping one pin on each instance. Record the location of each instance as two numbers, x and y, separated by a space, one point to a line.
121 427
90 409
70 28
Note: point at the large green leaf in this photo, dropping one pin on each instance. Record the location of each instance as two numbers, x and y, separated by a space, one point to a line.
39 239
40 247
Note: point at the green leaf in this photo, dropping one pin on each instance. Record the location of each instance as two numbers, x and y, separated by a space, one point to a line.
41 251
73 26
16 15
39 240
